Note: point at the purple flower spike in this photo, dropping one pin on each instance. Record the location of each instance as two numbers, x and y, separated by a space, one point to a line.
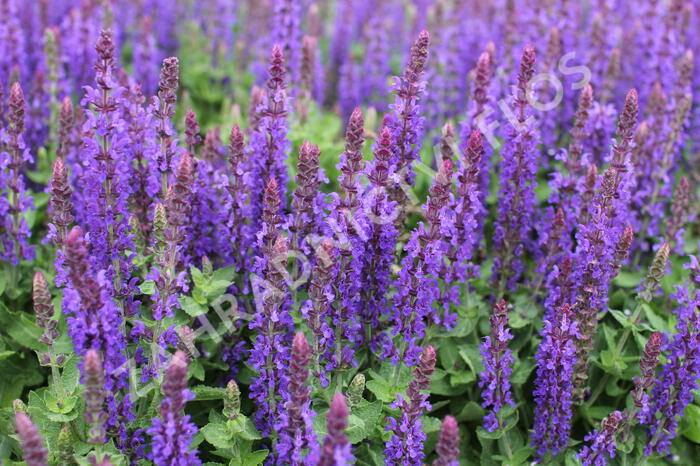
172 432
35 453
404 120
60 205
405 447
498 362
298 444
603 442
517 194
556 357
14 239
447 447
95 415
43 308
336 448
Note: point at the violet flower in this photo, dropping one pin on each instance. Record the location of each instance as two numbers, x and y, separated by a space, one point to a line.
318 308
239 234
404 119
675 227
464 237
35 454
172 432
674 385
43 308
498 366
268 145
95 415
517 193
556 357
14 241
381 241
286 33
603 443
336 449
447 448
106 178
307 199
163 109
274 326
298 444
405 447
416 283
95 322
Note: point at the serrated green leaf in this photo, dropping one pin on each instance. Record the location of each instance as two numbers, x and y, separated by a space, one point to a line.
690 423
198 277
363 420
244 428
191 307
218 435
148 287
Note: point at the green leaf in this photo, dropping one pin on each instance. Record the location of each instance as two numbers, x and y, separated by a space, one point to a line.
59 405
198 277
363 420
244 428
471 412
191 307
628 279
148 287
690 423
218 435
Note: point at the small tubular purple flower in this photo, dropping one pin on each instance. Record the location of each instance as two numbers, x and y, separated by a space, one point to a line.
404 119
163 109
674 385
95 415
679 214
298 444
413 303
556 357
106 191
60 205
94 322
603 442
306 199
647 365
379 254
447 447
498 362
464 238
273 325
43 308
192 137
517 192
14 240
239 231
318 309
405 447
287 33
35 454
268 145
336 450
172 432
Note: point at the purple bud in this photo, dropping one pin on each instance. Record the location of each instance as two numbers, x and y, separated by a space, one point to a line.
336 448
94 395
32 444
447 447
43 308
